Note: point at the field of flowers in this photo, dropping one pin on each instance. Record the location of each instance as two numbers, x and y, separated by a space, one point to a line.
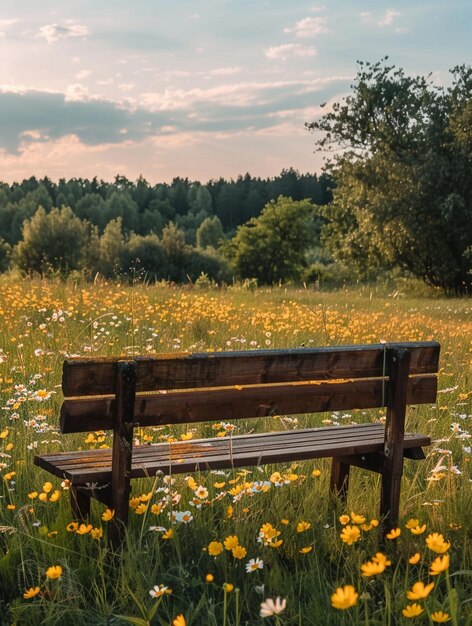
241 547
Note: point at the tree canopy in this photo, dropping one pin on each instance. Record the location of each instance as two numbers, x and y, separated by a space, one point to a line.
273 247
403 193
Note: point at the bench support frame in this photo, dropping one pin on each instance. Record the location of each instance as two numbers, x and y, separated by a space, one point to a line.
126 374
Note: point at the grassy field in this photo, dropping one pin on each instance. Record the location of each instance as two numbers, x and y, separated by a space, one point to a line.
302 556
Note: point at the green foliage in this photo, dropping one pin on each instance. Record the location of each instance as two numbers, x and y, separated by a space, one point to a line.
210 233
5 252
273 247
52 242
403 195
111 247
217 208
145 255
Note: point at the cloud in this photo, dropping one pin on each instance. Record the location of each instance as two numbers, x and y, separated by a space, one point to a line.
309 27
33 116
5 25
83 74
389 17
290 50
54 32
385 20
237 95
76 92
224 71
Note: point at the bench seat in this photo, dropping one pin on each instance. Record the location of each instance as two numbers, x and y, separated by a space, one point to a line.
94 466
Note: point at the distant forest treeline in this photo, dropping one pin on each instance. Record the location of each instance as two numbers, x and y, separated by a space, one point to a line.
177 231
146 208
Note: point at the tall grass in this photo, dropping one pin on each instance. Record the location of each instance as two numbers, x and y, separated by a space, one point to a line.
43 321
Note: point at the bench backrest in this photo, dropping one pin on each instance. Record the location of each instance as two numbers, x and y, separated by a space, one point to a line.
186 388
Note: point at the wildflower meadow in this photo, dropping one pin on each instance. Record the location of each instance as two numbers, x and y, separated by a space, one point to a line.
263 545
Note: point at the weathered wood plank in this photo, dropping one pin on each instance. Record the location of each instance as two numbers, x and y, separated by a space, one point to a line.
211 446
181 407
96 376
122 450
246 450
394 435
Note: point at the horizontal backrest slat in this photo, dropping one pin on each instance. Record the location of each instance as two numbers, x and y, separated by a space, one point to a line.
90 414
89 377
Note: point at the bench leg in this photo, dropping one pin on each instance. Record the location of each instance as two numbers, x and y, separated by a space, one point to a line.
390 500
339 481
80 504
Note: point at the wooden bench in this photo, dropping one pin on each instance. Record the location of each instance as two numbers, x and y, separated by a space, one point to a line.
120 394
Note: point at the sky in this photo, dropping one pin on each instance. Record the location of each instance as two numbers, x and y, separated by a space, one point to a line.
198 89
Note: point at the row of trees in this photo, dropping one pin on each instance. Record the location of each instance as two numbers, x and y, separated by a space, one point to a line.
59 242
146 209
401 177
270 248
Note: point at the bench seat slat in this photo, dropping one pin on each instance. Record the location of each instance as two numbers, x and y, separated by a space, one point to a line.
93 414
89 377
211 446
246 450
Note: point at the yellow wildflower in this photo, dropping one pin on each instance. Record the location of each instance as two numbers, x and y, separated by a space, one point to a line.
357 519
306 550
157 508
412 610
179 621
412 523
316 473
215 548
350 534
418 530
394 533
209 578
440 564
302 526
228 587
108 515
372 568
231 542
191 483
440 618
413 560
344 519
168 534
83 529
31 592
55 571
344 597
96 533
239 552
419 591
72 527
436 543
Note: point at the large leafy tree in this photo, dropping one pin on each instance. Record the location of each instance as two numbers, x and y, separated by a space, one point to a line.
54 242
273 246
402 166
